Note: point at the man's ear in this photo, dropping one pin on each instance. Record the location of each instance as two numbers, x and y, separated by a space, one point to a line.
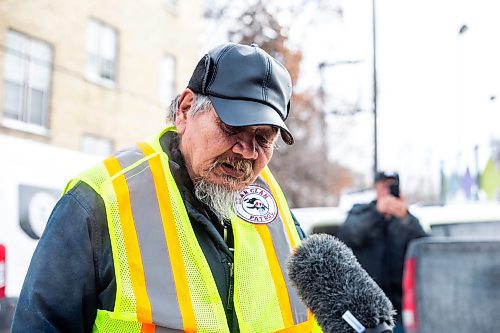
186 100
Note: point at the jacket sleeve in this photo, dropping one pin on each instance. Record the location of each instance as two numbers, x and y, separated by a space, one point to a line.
407 229
59 291
360 225
301 232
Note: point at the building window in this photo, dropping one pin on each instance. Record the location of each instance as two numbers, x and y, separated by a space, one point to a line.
96 145
167 80
101 53
26 80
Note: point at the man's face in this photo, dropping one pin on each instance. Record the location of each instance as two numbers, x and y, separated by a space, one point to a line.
382 187
223 155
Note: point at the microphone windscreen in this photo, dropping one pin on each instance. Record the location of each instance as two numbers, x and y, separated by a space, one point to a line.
330 281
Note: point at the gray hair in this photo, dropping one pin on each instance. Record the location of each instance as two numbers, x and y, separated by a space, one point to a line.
201 103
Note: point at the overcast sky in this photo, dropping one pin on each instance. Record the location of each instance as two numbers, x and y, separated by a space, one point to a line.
438 89
436 85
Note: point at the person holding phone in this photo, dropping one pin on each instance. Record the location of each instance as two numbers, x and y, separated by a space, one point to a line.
379 232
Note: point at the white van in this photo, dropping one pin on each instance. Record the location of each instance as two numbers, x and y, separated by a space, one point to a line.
314 220
32 177
472 219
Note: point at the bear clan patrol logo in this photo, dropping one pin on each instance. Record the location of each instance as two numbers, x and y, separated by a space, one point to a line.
255 204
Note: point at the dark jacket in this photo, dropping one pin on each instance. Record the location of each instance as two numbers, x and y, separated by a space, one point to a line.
379 244
71 274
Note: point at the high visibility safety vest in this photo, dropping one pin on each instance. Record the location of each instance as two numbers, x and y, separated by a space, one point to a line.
163 281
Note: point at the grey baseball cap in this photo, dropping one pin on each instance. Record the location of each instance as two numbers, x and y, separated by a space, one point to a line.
246 86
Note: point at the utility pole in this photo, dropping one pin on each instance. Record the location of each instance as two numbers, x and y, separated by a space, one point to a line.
375 126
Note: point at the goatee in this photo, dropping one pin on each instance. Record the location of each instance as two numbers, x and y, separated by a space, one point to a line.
220 197
217 197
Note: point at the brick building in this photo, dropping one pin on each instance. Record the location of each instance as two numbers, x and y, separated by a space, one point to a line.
93 75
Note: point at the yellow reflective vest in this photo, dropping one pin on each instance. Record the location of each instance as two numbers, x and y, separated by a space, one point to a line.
163 281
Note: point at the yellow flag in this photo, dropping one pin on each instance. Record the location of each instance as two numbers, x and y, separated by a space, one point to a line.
490 180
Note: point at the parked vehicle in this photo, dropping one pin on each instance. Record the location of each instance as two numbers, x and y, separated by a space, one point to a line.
314 220
32 177
470 219
465 219
452 285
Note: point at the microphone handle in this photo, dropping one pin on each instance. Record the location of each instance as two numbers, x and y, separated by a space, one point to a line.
380 328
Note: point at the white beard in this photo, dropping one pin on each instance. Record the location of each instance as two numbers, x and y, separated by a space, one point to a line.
217 197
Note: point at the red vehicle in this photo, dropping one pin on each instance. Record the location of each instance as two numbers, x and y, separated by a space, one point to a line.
451 285
7 305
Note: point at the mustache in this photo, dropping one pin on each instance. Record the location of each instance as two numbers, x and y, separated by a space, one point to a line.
239 164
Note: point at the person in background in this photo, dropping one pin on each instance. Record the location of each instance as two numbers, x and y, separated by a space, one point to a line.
185 232
378 233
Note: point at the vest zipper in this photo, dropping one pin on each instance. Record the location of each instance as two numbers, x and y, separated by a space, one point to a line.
231 287
229 308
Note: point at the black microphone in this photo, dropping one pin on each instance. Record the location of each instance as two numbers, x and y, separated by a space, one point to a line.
337 290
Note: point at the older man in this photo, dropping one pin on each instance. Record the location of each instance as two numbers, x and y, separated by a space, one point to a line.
185 232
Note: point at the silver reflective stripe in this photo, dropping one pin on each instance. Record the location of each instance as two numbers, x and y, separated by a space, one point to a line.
152 243
282 248
167 330
129 157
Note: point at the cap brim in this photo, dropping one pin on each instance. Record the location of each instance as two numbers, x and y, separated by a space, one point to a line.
248 113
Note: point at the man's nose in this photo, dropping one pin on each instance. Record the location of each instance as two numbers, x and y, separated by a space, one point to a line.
246 146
